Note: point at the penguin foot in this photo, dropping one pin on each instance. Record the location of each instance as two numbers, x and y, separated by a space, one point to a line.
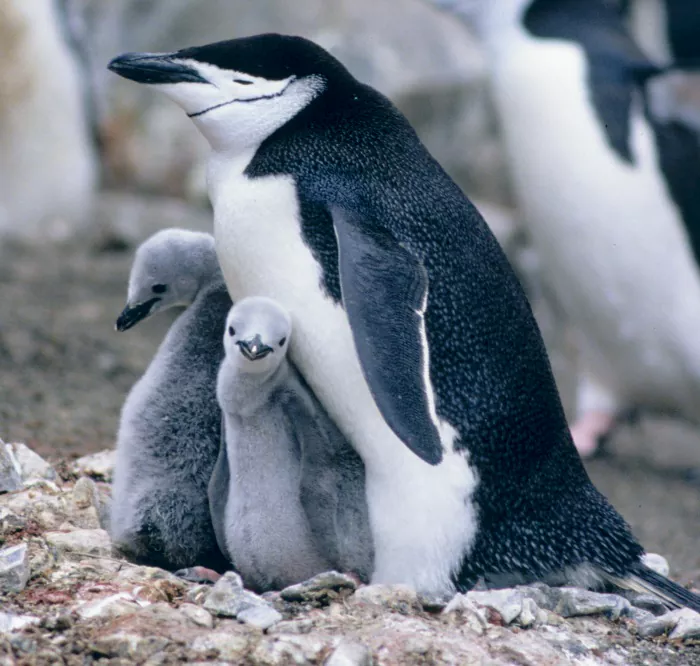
198 575
589 431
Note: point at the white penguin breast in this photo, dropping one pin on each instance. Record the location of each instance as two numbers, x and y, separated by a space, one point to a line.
422 519
610 237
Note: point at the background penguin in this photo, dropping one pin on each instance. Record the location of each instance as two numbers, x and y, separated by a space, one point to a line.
608 188
169 433
412 329
279 441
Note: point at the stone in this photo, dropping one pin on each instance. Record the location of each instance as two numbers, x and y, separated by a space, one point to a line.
657 563
530 613
10 471
433 603
301 626
262 617
128 646
575 601
99 466
10 622
112 606
281 650
31 465
197 615
321 587
647 602
84 493
85 505
14 568
402 598
350 653
230 647
508 603
80 542
197 594
656 626
688 624
472 614
228 597
10 522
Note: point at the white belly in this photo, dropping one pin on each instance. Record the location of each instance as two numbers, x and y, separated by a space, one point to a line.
422 520
609 236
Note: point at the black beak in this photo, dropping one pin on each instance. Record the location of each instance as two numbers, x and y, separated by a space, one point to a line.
254 349
132 316
154 68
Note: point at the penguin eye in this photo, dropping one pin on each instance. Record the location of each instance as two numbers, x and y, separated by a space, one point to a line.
159 288
282 341
243 82
231 331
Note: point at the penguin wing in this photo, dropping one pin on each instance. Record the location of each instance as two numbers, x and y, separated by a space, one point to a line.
218 493
385 290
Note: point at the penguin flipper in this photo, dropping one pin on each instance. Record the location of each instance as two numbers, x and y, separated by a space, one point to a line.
384 290
217 493
645 580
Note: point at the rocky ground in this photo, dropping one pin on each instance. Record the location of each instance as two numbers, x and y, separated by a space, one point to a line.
64 595
67 598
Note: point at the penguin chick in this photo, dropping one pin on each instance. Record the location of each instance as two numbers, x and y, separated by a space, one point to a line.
297 505
169 433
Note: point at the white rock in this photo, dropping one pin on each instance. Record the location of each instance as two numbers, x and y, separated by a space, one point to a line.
389 596
687 625
350 653
508 603
97 465
10 522
576 601
228 596
318 587
115 605
197 615
80 542
656 563
10 622
529 614
229 646
656 626
32 465
290 650
262 617
14 568
10 471
84 493
129 646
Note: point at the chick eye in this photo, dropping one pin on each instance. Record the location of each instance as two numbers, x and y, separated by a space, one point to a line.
231 331
282 341
243 82
159 288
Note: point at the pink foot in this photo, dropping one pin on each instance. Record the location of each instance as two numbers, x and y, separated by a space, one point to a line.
588 430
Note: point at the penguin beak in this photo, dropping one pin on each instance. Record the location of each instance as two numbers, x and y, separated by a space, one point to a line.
131 316
154 68
254 349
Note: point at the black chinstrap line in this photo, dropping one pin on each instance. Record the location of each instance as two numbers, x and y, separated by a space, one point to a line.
242 101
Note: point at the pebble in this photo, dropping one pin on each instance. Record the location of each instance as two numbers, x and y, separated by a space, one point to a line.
79 542
99 465
574 602
228 597
112 606
321 587
508 603
10 522
350 653
230 647
688 624
197 615
657 563
128 646
31 465
14 568
402 598
472 615
647 602
262 617
10 472
10 622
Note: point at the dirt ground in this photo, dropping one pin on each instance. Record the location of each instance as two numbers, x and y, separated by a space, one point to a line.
64 373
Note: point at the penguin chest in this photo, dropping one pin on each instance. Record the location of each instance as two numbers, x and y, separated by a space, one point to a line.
608 233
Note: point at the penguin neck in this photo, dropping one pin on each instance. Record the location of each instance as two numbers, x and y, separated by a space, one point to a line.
246 393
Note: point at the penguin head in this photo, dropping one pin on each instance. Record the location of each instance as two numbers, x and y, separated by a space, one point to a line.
257 335
239 91
169 269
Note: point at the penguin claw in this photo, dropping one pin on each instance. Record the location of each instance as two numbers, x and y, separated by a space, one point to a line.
198 575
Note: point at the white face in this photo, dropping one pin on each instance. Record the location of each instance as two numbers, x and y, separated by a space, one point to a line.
257 335
235 110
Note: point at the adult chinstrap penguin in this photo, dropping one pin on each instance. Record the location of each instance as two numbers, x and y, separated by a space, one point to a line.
169 432
411 328
297 504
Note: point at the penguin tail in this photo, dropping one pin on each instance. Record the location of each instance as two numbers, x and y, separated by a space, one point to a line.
645 580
